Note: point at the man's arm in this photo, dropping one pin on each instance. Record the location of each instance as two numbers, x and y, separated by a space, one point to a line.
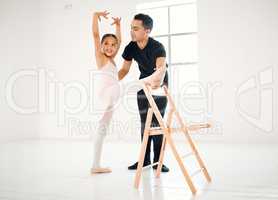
156 78
125 69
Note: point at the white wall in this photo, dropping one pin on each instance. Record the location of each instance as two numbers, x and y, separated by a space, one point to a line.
238 41
19 45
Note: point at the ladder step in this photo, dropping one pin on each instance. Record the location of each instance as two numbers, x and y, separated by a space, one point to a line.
155 128
186 155
159 131
196 127
156 131
196 172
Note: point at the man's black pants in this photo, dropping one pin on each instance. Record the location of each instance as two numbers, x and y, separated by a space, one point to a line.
143 105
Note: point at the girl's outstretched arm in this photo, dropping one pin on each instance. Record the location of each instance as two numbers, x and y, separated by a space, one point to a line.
117 23
95 29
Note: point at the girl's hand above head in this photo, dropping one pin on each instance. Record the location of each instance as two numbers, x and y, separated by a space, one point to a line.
103 14
116 21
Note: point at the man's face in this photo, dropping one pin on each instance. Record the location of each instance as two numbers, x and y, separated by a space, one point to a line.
138 32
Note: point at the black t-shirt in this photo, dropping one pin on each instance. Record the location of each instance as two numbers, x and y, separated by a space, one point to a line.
146 58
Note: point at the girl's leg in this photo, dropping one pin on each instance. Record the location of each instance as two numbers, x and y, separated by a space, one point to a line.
99 140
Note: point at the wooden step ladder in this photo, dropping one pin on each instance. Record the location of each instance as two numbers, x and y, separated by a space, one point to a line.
166 130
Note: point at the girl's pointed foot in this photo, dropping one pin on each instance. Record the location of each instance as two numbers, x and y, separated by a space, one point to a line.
100 170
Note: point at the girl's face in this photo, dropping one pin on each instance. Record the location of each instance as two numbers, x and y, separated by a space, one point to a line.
109 46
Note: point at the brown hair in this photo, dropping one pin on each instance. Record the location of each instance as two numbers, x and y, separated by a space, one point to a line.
108 35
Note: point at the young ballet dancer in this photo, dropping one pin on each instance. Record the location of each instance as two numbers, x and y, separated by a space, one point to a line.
107 92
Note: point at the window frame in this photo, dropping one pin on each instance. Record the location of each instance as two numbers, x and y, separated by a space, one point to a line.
169 35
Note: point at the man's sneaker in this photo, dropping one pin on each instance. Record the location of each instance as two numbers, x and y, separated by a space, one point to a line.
134 166
163 168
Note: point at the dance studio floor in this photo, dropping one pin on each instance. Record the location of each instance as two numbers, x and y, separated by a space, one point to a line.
59 170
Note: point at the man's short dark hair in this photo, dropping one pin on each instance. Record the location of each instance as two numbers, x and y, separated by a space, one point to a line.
146 20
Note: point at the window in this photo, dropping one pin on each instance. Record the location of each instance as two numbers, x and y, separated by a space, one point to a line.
175 26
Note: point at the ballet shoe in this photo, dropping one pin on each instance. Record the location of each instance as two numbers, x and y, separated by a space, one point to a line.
100 170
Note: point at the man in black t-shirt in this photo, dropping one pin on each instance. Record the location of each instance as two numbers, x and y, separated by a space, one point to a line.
150 56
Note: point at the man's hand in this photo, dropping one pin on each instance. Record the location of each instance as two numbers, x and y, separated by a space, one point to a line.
155 83
151 82
159 74
155 80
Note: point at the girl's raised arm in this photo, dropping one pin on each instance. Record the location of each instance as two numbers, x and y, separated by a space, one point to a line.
117 23
97 16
